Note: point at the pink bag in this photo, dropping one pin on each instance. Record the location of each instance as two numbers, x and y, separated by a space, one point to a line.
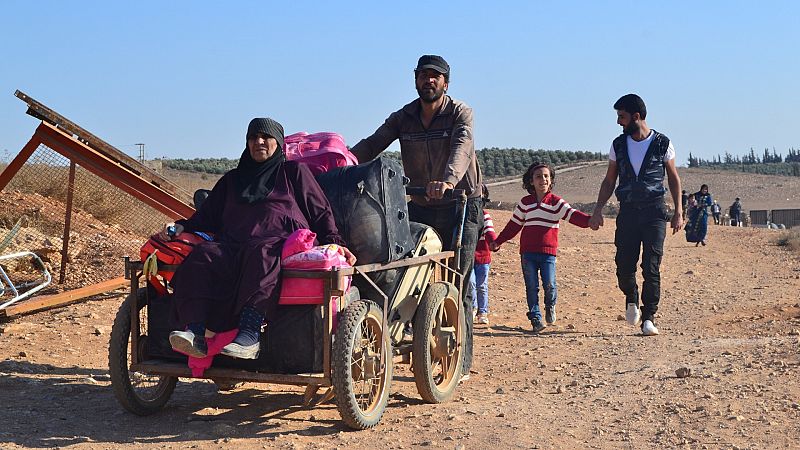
320 151
298 254
299 241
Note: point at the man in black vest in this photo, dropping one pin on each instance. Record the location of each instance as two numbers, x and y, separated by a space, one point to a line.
640 157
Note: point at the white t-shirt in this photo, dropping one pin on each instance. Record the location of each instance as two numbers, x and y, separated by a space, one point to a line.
637 150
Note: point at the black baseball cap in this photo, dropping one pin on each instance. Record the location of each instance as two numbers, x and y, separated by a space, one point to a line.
434 62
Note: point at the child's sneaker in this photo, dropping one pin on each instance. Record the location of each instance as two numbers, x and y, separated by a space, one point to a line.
408 332
537 325
550 314
482 318
632 314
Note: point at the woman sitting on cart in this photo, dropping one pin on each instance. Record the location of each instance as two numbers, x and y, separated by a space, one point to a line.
232 282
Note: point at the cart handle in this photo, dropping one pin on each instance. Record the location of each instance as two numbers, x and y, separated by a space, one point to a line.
460 197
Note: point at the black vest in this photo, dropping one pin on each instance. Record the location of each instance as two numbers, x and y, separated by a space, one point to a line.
648 187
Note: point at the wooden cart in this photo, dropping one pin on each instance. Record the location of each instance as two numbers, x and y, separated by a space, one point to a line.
357 364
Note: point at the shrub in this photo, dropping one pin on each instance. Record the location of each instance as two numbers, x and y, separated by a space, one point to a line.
790 238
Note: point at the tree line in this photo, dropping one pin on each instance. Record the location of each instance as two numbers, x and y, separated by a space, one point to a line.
201 165
770 163
494 162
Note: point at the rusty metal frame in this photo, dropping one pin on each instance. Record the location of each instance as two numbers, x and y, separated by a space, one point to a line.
112 172
103 160
96 163
40 111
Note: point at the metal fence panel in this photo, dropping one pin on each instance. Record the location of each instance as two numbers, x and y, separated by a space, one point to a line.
788 217
105 223
759 217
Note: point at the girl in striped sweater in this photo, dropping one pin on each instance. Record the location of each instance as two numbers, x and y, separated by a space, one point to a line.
538 215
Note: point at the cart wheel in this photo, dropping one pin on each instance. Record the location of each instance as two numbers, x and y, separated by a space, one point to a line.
139 393
438 338
361 365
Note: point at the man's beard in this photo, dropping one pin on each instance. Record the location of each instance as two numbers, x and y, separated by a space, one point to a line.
430 96
632 128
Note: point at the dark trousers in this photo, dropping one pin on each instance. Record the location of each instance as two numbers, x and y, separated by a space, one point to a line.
641 230
444 221
716 218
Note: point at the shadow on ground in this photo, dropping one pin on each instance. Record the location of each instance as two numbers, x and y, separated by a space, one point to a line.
47 401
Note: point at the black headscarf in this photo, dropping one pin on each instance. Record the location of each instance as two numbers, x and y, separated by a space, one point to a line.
254 180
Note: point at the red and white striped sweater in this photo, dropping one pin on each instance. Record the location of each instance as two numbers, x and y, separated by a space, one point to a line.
482 253
539 223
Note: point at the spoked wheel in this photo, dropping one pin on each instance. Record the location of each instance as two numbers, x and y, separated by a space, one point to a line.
139 393
438 339
362 365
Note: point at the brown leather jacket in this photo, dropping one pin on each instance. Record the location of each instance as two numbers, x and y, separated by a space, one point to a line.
442 152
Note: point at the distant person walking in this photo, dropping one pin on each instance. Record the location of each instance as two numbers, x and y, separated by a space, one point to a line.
697 227
716 212
685 202
735 212
479 281
538 215
640 157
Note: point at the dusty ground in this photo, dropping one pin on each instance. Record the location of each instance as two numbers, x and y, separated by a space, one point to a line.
730 313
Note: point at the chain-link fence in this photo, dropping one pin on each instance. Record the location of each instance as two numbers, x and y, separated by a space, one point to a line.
105 223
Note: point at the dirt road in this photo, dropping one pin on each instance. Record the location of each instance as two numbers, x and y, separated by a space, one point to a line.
729 313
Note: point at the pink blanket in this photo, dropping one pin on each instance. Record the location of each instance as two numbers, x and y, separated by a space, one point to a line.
215 344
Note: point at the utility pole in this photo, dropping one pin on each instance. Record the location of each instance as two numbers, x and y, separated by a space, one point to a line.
141 152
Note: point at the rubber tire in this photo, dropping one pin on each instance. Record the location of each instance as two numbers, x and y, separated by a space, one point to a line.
347 332
118 365
432 300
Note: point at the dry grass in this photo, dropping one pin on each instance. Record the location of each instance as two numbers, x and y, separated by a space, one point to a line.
791 239
191 181
92 195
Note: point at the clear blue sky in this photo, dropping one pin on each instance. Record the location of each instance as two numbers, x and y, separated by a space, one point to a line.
186 77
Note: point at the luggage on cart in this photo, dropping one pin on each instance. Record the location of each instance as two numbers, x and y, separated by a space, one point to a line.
369 206
294 339
319 151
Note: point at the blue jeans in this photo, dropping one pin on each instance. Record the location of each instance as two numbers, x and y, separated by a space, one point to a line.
534 264
479 282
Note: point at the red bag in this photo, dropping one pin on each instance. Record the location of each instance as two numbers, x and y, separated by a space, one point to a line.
170 252
319 151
